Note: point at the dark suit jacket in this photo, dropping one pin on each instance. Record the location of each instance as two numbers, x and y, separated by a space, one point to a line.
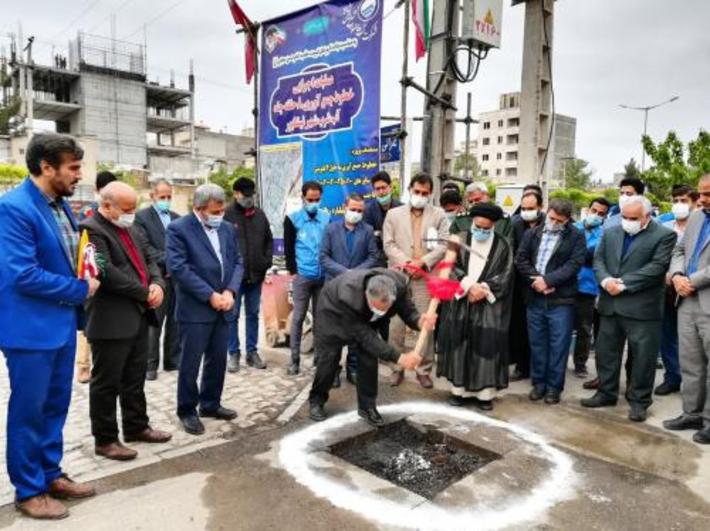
643 271
334 255
562 268
196 270
118 307
148 220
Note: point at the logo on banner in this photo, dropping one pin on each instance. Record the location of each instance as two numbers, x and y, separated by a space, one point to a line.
274 37
368 9
317 101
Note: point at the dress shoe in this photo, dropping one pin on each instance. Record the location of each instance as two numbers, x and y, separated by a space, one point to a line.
684 422
396 378
666 389
233 363
192 425
591 384
66 489
637 413
293 369
455 400
83 374
317 413
336 381
149 435
518 375
221 413
484 405
598 400
425 381
170 368
537 393
115 451
351 376
151 375
372 417
702 436
581 372
42 507
255 361
552 397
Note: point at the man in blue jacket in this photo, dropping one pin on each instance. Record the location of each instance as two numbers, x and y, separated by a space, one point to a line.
587 287
349 244
40 309
203 259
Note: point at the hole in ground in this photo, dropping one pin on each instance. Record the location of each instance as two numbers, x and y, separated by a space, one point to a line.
424 461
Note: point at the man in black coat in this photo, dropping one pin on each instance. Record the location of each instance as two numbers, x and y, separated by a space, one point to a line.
257 246
118 318
349 309
154 221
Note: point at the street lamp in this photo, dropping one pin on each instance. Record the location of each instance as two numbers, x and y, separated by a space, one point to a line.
645 121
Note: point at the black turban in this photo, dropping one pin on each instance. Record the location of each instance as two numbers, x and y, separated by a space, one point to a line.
486 210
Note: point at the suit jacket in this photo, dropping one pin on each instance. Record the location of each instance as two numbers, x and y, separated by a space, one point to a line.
397 235
196 270
40 297
643 270
335 258
148 220
684 251
117 309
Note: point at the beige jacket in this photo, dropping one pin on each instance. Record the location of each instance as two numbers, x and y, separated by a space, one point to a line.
683 252
397 235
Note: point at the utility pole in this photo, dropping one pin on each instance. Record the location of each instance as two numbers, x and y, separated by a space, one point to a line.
29 70
645 122
469 121
403 117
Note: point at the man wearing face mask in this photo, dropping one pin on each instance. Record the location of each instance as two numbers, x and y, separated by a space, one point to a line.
376 209
348 244
550 256
476 194
587 287
406 230
257 246
204 259
303 233
350 306
452 203
118 320
628 187
153 221
630 263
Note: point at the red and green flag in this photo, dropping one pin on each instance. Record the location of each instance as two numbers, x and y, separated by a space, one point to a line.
420 18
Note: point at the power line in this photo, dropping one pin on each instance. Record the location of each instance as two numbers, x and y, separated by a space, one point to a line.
155 18
79 17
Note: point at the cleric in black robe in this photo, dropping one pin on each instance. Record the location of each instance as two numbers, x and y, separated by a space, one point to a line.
473 328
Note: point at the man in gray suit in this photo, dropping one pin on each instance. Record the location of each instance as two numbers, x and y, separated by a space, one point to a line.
630 264
690 270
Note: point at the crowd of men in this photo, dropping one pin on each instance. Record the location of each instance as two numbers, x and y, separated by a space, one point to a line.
529 285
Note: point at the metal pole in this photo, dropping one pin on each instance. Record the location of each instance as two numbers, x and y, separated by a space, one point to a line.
403 117
29 125
467 160
643 150
257 175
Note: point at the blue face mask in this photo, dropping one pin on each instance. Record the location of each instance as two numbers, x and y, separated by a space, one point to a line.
480 235
384 200
592 220
312 208
163 205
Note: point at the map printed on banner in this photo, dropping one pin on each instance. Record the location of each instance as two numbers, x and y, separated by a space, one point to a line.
319 104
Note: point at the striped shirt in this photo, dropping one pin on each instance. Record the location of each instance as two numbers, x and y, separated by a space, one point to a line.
70 237
547 245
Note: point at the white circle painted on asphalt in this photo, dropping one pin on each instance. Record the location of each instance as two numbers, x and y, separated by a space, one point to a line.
298 459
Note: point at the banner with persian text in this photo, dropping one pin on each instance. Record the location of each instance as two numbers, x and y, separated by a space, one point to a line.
319 104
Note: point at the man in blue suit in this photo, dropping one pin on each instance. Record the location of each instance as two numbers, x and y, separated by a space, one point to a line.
349 244
40 308
203 258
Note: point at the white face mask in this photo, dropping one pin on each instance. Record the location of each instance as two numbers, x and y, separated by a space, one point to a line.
124 221
681 210
353 217
623 199
529 215
631 227
214 221
418 201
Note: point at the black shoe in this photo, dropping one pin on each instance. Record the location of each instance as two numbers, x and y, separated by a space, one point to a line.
255 361
702 436
293 369
666 389
552 397
233 363
192 425
598 400
684 422
151 375
317 413
637 413
484 405
581 372
221 413
518 375
537 393
591 384
455 400
170 368
336 381
351 376
372 417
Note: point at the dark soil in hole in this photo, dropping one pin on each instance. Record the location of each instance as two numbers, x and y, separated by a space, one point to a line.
424 462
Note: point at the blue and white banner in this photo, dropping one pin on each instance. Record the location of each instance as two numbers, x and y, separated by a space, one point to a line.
319 104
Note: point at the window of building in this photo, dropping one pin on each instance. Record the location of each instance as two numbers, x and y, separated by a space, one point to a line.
512 140
511 155
499 156
500 123
500 139
486 141
513 122
511 172
486 125
484 173
484 157
498 171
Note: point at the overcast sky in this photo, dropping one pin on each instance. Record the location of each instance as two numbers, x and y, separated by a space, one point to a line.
606 52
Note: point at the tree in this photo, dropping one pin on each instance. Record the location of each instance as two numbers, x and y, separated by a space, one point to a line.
674 163
460 165
631 169
576 174
226 180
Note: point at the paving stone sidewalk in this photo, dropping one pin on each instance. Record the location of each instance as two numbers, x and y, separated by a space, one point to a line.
259 396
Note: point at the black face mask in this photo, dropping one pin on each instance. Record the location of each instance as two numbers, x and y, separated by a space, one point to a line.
246 202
